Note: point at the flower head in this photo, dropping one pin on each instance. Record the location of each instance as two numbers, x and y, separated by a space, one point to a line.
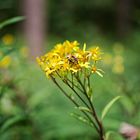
8 39
67 58
5 62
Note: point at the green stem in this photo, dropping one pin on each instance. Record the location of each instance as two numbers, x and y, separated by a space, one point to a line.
76 93
75 86
65 81
75 103
93 110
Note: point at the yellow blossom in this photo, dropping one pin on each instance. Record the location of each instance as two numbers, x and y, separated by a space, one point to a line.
98 71
118 68
5 62
96 53
118 59
8 39
118 48
68 57
85 65
107 59
24 51
94 69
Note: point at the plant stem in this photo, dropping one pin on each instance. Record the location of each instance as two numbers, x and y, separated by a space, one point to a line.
75 85
77 94
101 133
72 88
76 104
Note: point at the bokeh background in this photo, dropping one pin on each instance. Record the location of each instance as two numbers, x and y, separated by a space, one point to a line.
31 107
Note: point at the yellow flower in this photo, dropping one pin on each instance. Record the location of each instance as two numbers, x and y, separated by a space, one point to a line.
107 59
98 71
68 58
66 48
24 51
85 65
5 62
96 53
71 46
8 39
118 48
118 68
94 69
118 59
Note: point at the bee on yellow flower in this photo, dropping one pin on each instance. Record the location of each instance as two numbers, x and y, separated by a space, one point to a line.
72 59
69 57
71 65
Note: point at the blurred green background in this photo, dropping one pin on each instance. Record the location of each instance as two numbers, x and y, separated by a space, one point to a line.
31 107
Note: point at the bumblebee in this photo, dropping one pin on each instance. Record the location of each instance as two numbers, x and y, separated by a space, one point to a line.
72 59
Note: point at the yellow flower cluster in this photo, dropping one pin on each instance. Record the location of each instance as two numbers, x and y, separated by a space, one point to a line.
68 57
5 62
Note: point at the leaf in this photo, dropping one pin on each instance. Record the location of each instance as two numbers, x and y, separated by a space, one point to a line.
110 133
2 90
82 108
89 92
84 47
80 118
11 21
107 135
11 122
108 106
99 73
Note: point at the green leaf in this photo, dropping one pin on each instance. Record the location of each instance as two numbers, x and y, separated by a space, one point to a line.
89 92
107 135
82 108
108 106
11 21
110 133
99 73
80 118
2 90
11 122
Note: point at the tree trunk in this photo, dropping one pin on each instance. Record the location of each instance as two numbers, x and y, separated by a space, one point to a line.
123 17
34 26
